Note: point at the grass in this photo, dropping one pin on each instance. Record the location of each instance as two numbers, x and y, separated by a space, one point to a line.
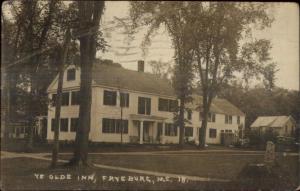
212 165
19 145
18 174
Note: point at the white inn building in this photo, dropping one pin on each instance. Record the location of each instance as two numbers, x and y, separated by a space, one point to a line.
142 102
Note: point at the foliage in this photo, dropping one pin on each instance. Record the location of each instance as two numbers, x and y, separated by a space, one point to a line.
217 31
172 16
163 70
259 101
260 138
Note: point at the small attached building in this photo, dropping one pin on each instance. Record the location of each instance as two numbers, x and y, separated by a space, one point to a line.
283 125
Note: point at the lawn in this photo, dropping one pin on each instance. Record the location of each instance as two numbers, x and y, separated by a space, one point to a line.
18 173
212 165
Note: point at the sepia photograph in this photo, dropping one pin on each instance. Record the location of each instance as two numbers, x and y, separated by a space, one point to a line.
149 95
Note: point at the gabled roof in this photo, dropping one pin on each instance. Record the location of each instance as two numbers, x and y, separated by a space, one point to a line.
119 77
218 105
271 121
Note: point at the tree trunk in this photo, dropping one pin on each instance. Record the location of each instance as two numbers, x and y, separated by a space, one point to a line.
206 107
89 15
181 121
82 134
202 133
57 116
61 62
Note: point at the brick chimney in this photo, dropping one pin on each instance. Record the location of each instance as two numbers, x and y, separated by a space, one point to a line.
141 66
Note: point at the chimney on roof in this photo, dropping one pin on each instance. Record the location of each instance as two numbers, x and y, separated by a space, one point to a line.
141 65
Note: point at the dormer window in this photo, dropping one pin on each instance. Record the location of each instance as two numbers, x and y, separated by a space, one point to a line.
71 74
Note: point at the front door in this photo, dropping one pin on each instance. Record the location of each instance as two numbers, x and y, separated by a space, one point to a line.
146 137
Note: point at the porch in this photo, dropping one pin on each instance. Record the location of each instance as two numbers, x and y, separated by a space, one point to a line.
147 129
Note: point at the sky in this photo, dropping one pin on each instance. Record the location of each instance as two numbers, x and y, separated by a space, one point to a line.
283 34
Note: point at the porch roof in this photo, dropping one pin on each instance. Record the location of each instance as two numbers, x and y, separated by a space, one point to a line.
146 117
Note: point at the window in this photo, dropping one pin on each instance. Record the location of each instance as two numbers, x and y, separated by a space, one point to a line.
167 105
189 115
74 123
170 129
110 98
75 98
228 131
64 125
124 99
201 115
65 99
238 120
53 100
212 133
144 106
114 126
52 124
121 124
71 74
188 131
163 104
173 105
228 119
108 125
159 129
211 117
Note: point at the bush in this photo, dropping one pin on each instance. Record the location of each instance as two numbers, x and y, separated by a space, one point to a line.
260 177
259 139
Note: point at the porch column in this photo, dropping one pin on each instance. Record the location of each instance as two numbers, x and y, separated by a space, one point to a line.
141 131
163 133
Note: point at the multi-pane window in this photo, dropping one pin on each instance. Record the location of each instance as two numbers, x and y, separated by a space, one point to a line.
170 129
212 133
114 126
65 99
71 74
188 131
167 105
211 117
121 126
163 104
75 98
228 119
74 123
189 115
124 99
64 124
144 106
110 97
238 120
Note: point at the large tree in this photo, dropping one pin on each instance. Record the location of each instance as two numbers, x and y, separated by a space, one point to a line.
172 16
30 25
89 15
221 50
